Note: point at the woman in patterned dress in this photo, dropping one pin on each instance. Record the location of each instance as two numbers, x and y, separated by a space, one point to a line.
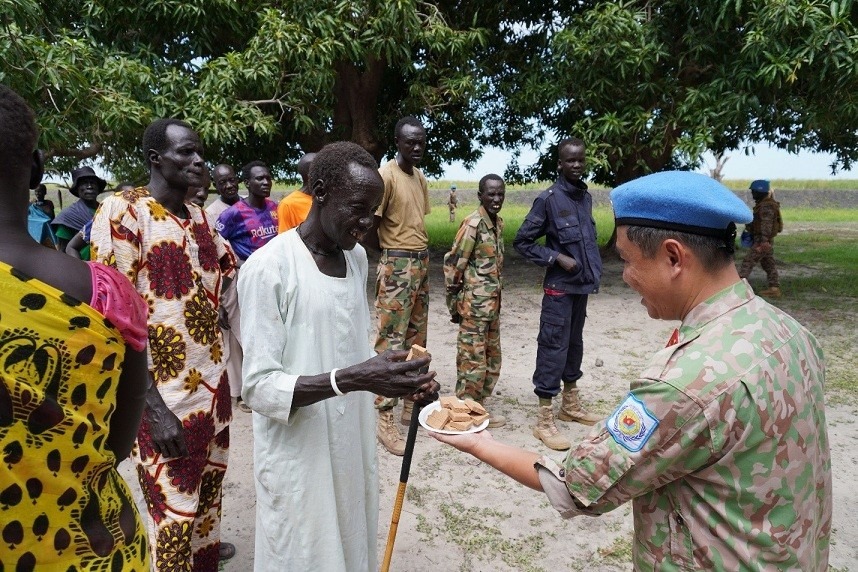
73 369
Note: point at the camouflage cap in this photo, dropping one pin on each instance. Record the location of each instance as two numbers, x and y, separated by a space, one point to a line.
682 201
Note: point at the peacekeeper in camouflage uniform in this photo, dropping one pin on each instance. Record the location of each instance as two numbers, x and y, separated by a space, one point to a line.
472 275
766 225
721 444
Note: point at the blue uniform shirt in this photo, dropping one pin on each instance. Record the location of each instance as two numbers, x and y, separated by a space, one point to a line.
563 214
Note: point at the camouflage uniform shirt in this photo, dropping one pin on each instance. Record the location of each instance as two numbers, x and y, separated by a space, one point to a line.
721 445
767 220
472 268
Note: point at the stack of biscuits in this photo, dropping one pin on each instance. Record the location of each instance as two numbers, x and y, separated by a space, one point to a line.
457 415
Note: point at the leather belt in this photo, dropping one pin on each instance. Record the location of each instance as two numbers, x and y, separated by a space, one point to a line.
418 254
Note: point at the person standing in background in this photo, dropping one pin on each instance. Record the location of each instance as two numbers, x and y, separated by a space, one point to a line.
473 271
44 204
402 284
767 224
294 207
199 195
452 203
86 185
226 184
251 222
248 225
563 214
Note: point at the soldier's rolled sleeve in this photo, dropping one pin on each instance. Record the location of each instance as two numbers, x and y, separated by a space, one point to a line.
551 477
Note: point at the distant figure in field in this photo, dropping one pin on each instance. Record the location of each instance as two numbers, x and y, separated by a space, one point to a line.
765 227
294 207
452 203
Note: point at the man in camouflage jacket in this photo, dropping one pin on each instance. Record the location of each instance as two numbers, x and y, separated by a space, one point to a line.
766 225
721 445
472 275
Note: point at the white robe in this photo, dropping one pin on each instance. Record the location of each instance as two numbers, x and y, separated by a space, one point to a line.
315 467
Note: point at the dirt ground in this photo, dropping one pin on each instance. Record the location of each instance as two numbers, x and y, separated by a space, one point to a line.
462 515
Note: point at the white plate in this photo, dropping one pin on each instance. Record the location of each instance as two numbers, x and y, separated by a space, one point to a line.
435 406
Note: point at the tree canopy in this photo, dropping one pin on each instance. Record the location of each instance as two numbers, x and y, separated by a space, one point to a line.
652 85
649 85
257 79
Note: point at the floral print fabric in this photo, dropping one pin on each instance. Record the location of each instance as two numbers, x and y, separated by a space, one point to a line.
178 266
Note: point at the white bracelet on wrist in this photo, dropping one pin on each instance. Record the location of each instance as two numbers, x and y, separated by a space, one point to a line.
334 382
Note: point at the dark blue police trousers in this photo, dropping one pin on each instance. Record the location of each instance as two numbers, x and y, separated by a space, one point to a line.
560 344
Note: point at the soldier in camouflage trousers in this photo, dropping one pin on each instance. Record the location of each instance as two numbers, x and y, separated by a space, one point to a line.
766 225
721 443
402 286
472 276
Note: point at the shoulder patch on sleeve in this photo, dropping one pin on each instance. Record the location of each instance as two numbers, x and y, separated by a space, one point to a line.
632 424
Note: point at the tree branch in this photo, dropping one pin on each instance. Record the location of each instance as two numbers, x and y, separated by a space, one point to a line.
80 154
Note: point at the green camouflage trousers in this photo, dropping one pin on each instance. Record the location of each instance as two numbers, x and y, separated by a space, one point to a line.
766 260
402 307
478 358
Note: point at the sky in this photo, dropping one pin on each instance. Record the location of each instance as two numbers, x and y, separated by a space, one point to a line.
765 163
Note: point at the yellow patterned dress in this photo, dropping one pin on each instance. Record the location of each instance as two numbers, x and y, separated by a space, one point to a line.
63 505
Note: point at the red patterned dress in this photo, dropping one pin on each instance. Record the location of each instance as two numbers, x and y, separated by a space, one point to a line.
178 266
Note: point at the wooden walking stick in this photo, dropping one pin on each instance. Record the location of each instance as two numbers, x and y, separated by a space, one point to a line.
403 482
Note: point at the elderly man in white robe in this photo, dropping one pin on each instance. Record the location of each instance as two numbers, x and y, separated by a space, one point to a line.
310 372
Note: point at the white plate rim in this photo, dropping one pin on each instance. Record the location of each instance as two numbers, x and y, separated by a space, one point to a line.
436 405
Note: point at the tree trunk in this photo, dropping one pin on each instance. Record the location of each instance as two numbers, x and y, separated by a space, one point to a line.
716 172
626 171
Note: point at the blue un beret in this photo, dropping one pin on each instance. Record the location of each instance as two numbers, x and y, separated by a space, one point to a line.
760 186
680 200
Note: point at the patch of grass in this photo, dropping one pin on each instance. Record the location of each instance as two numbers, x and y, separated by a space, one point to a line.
735 184
807 214
442 232
470 529
417 495
620 552
841 378
818 269
797 184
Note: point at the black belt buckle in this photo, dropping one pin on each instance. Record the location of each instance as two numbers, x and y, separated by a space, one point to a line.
418 254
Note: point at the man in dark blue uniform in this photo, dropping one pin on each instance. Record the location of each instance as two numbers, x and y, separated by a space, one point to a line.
563 214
